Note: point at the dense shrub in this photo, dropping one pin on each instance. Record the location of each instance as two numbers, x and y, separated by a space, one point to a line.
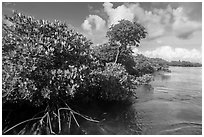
42 61
107 53
144 65
113 83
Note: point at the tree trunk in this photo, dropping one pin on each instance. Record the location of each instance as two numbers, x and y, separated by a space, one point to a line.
116 58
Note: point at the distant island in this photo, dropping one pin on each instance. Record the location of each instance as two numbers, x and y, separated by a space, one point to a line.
164 63
184 64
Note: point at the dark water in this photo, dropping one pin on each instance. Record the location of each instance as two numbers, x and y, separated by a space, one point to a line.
172 104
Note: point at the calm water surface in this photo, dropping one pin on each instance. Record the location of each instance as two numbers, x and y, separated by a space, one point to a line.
172 104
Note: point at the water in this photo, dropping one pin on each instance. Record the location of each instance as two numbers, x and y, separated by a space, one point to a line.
172 104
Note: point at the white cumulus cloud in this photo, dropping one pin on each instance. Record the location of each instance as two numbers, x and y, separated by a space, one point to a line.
158 22
94 20
95 28
121 12
169 53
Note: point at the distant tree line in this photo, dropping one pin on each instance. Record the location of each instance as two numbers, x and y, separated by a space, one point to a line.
184 64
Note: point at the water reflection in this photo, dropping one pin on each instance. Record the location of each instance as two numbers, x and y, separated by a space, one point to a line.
162 76
125 122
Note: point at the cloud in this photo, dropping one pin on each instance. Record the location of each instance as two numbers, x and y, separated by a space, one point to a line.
159 22
121 12
182 26
169 53
150 19
133 12
95 28
94 23
159 41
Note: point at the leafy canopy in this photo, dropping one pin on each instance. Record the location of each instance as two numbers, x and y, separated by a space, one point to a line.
126 33
42 61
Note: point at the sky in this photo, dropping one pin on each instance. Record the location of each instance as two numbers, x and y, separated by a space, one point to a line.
174 29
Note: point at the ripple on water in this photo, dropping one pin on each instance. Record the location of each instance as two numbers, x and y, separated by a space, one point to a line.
169 117
183 129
